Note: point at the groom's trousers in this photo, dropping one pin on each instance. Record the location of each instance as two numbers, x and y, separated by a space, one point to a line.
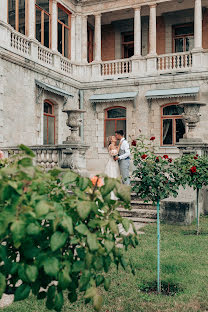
124 165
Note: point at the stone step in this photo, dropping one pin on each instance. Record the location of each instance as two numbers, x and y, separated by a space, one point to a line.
138 204
142 220
138 213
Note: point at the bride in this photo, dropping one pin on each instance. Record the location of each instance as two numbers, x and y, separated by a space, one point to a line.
112 168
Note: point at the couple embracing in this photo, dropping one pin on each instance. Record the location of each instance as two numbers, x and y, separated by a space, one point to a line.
119 160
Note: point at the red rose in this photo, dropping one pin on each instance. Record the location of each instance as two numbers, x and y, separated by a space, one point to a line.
157 159
165 156
193 169
170 160
134 143
152 138
144 156
195 157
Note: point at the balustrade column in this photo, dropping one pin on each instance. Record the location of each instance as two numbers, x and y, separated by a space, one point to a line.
97 40
198 25
54 26
73 37
3 11
152 30
84 38
31 19
137 31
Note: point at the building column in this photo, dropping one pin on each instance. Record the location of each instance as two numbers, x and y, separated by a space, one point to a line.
54 26
97 40
78 38
3 11
198 25
152 30
31 19
73 37
84 38
137 31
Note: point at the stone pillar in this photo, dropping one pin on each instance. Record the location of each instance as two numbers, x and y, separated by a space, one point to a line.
198 25
73 37
97 40
78 38
152 30
3 11
137 31
84 38
54 26
31 19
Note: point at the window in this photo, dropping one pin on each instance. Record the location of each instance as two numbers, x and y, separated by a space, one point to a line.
64 31
183 38
43 23
127 44
115 119
48 123
17 15
173 127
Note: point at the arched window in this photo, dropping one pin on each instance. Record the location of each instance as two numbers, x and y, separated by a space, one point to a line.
173 127
115 119
49 123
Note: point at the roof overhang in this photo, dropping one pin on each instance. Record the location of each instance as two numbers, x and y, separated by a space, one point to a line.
53 89
172 93
114 97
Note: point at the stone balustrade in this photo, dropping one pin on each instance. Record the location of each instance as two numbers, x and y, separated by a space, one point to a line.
45 55
19 42
174 62
117 67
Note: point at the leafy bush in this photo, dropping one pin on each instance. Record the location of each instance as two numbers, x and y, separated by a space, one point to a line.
59 232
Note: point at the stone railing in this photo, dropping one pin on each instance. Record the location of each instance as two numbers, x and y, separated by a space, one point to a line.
45 55
117 67
47 156
20 42
66 66
175 61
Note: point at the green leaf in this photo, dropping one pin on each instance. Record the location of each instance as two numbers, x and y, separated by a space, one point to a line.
25 162
113 227
32 273
83 183
107 283
97 302
67 224
58 240
22 292
50 297
126 224
64 279
124 193
108 186
2 284
78 266
42 208
59 301
109 245
69 177
33 229
18 232
84 208
82 229
90 292
92 241
99 280
84 281
51 266
27 150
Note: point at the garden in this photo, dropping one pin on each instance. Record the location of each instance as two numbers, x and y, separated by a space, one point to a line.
61 247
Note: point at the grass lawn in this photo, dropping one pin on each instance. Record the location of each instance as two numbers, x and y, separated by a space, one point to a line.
184 261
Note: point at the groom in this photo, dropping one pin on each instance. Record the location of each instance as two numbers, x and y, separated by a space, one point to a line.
123 157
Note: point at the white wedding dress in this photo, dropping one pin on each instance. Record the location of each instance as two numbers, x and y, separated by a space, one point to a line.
112 169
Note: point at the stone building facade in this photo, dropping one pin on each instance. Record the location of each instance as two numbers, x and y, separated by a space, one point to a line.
126 63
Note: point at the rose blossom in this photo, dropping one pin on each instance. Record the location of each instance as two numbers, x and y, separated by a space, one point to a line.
144 156
152 138
195 157
193 169
97 181
165 156
134 143
157 159
170 160
1 155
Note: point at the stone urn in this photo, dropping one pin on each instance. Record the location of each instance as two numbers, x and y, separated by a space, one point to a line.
191 116
74 122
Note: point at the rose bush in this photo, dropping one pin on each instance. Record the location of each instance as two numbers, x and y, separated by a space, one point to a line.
59 233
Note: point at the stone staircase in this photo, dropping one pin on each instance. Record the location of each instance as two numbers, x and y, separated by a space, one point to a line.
141 213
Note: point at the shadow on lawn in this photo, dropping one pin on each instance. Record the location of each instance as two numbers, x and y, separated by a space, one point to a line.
167 288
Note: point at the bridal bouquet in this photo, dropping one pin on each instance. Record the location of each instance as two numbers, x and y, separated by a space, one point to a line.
114 152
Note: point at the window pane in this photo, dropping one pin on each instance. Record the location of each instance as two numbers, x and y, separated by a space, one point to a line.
189 43
63 16
50 130
60 38
22 16
44 4
128 38
66 42
168 131
116 113
46 30
179 45
109 129
38 25
11 12
185 30
172 110
121 125
47 108
180 129
44 129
